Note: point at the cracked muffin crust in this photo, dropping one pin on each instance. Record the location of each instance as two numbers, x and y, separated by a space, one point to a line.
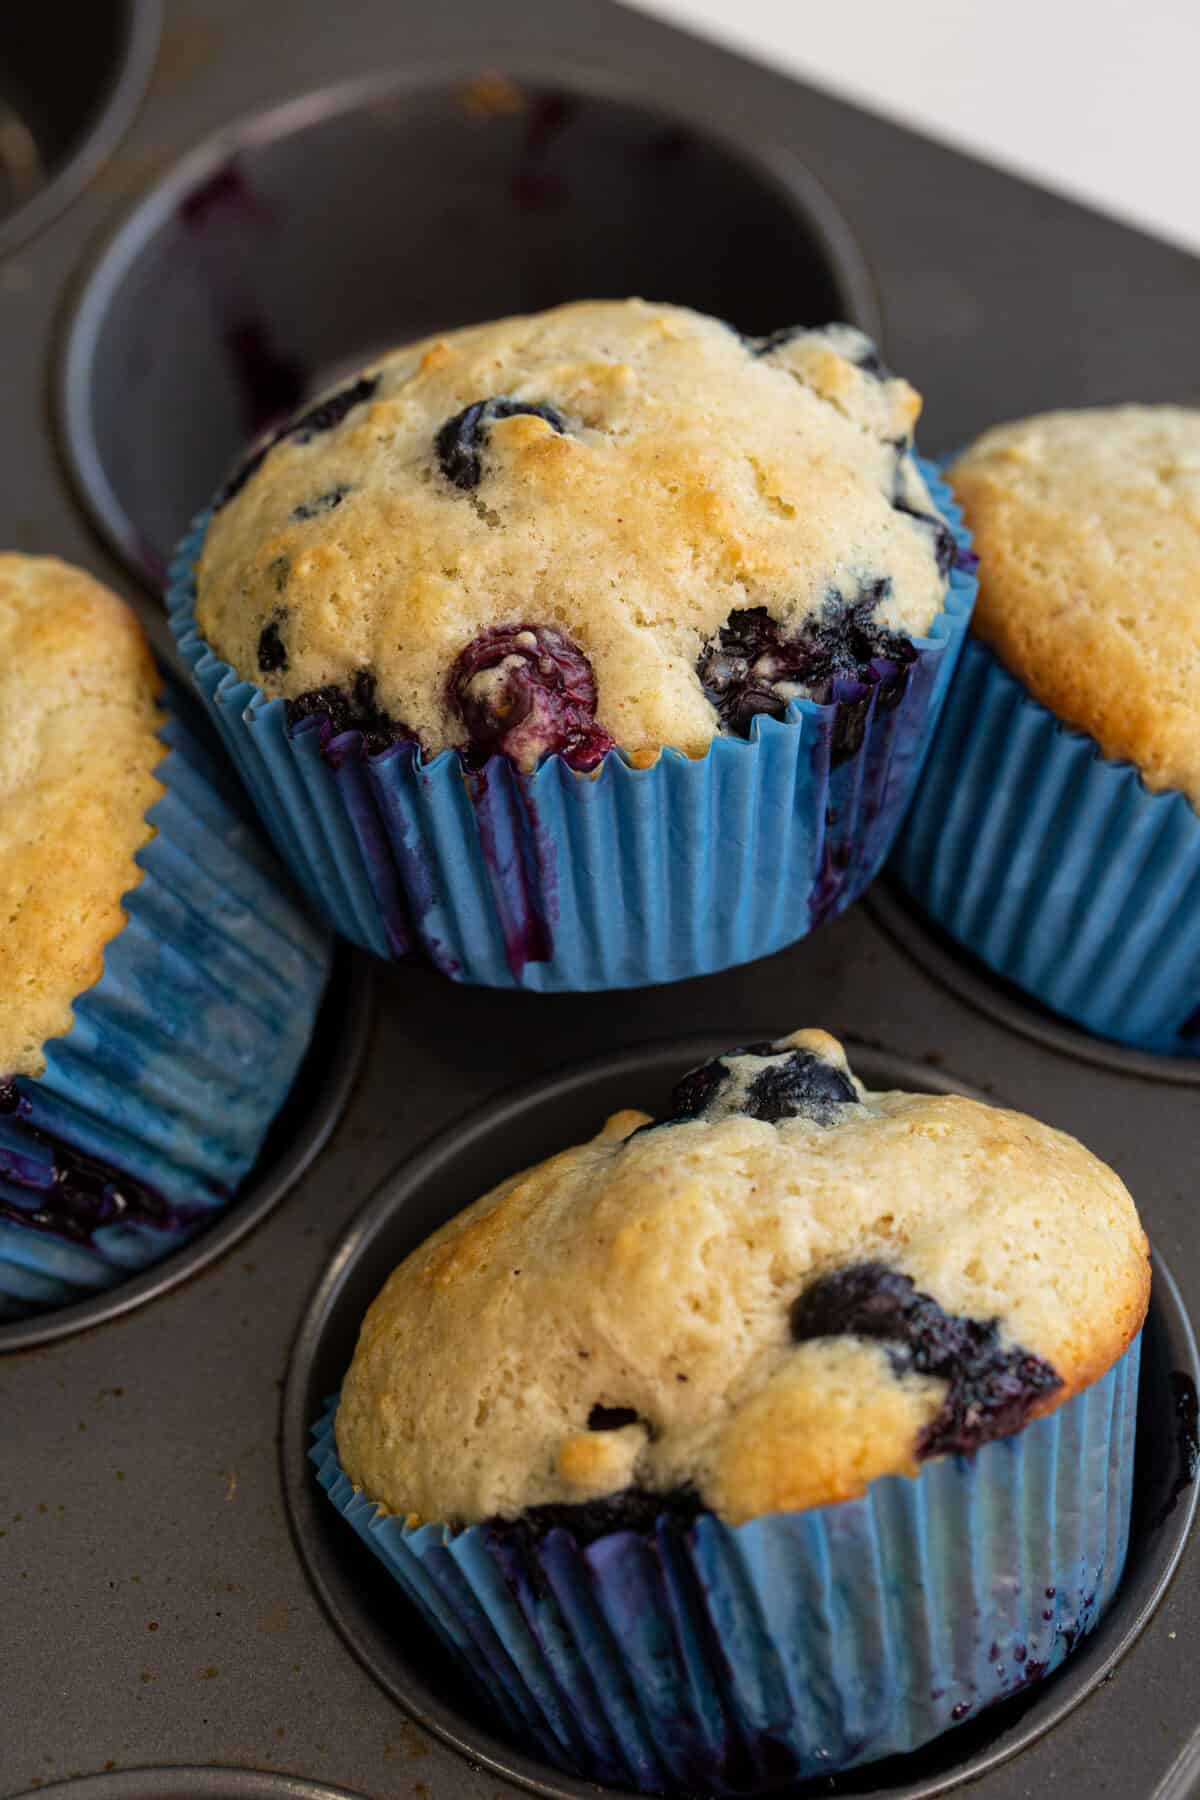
788 1288
78 749
1087 526
614 523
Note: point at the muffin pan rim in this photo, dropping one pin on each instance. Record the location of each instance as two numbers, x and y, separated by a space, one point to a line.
307 1508
347 1004
87 295
193 1781
139 52
970 981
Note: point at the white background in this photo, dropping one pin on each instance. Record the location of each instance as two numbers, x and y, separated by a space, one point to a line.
1099 99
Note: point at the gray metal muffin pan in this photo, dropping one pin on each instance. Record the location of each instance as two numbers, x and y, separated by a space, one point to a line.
61 114
162 1634
195 1784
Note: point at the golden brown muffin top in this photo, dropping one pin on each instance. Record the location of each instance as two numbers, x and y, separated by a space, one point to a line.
1087 526
78 747
792 1288
529 535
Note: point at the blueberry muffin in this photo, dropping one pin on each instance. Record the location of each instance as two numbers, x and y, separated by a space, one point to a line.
612 537
792 1313
1065 851
1088 526
612 524
157 985
79 746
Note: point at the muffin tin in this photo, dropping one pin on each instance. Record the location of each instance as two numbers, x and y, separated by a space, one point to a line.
172 1633
60 116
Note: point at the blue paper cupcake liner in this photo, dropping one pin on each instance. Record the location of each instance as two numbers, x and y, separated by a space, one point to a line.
730 1660
1056 865
557 881
158 1098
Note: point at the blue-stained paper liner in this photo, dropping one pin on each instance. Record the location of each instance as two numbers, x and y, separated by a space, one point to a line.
728 1660
180 1055
557 881
1056 865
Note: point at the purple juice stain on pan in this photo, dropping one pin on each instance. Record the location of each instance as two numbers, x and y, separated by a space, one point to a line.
214 216
536 186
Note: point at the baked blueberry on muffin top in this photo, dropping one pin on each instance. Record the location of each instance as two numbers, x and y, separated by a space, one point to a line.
760 1304
615 523
1088 529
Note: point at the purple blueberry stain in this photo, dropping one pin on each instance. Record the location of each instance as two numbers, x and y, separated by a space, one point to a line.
634 1509
525 691
72 1194
991 1389
750 667
342 709
269 381
519 874
461 442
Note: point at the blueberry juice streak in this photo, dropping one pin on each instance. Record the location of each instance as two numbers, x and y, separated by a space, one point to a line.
71 1194
524 691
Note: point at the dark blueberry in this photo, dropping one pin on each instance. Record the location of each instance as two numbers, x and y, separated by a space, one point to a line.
272 651
541 697
774 340
322 503
798 1085
631 1509
72 1195
330 412
945 544
611 1418
321 417
743 669
791 1084
460 442
357 710
991 1390
870 361
692 1095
